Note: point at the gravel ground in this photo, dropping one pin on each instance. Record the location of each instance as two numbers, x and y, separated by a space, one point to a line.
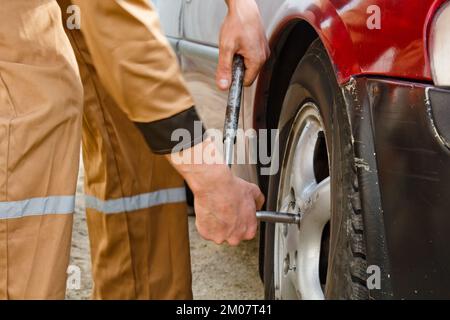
219 272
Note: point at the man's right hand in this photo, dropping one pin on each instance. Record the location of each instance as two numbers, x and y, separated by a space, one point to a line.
242 33
225 206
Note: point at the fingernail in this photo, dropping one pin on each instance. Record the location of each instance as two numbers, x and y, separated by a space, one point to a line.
223 83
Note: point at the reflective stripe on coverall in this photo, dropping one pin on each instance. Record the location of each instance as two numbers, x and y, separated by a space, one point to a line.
136 212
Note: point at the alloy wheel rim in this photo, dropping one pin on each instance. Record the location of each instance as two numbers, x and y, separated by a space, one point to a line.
297 248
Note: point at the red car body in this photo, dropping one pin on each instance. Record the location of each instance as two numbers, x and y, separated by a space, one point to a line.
356 50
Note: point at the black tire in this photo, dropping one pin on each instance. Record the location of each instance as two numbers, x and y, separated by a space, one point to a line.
314 80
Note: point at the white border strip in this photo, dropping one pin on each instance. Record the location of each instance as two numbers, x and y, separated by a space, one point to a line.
37 207
134 203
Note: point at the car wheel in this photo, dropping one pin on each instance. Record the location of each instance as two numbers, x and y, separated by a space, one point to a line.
324 256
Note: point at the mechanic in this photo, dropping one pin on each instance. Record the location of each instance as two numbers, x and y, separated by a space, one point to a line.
134 97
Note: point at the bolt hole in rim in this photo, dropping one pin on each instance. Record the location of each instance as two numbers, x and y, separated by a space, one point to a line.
304 188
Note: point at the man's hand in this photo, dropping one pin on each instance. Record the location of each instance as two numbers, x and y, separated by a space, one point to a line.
225 206
242 33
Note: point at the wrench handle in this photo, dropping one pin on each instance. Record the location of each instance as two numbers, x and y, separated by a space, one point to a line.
233 108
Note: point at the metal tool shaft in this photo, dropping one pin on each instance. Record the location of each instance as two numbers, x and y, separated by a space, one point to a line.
233 108
278 217
230 132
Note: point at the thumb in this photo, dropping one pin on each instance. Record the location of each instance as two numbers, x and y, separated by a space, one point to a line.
259 198
223 75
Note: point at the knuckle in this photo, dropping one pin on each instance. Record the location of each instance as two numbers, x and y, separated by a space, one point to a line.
204 232
205 235
218 239
252 228
244 229
253 225
250 234
233 242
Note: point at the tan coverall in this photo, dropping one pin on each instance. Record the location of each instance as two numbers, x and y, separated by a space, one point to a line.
134 96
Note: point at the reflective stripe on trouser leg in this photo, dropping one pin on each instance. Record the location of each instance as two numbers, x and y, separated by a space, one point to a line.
138 254
138 202
40 128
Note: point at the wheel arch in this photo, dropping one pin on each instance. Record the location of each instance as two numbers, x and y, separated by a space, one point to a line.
273 80
295 29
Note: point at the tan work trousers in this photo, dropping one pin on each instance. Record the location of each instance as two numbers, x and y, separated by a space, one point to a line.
135 200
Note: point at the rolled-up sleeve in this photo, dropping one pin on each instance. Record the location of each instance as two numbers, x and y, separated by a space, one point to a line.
138 67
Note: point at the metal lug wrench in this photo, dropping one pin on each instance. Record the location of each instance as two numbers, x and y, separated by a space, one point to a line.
230 132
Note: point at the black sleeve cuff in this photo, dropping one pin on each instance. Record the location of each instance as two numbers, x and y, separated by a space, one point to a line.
158 134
